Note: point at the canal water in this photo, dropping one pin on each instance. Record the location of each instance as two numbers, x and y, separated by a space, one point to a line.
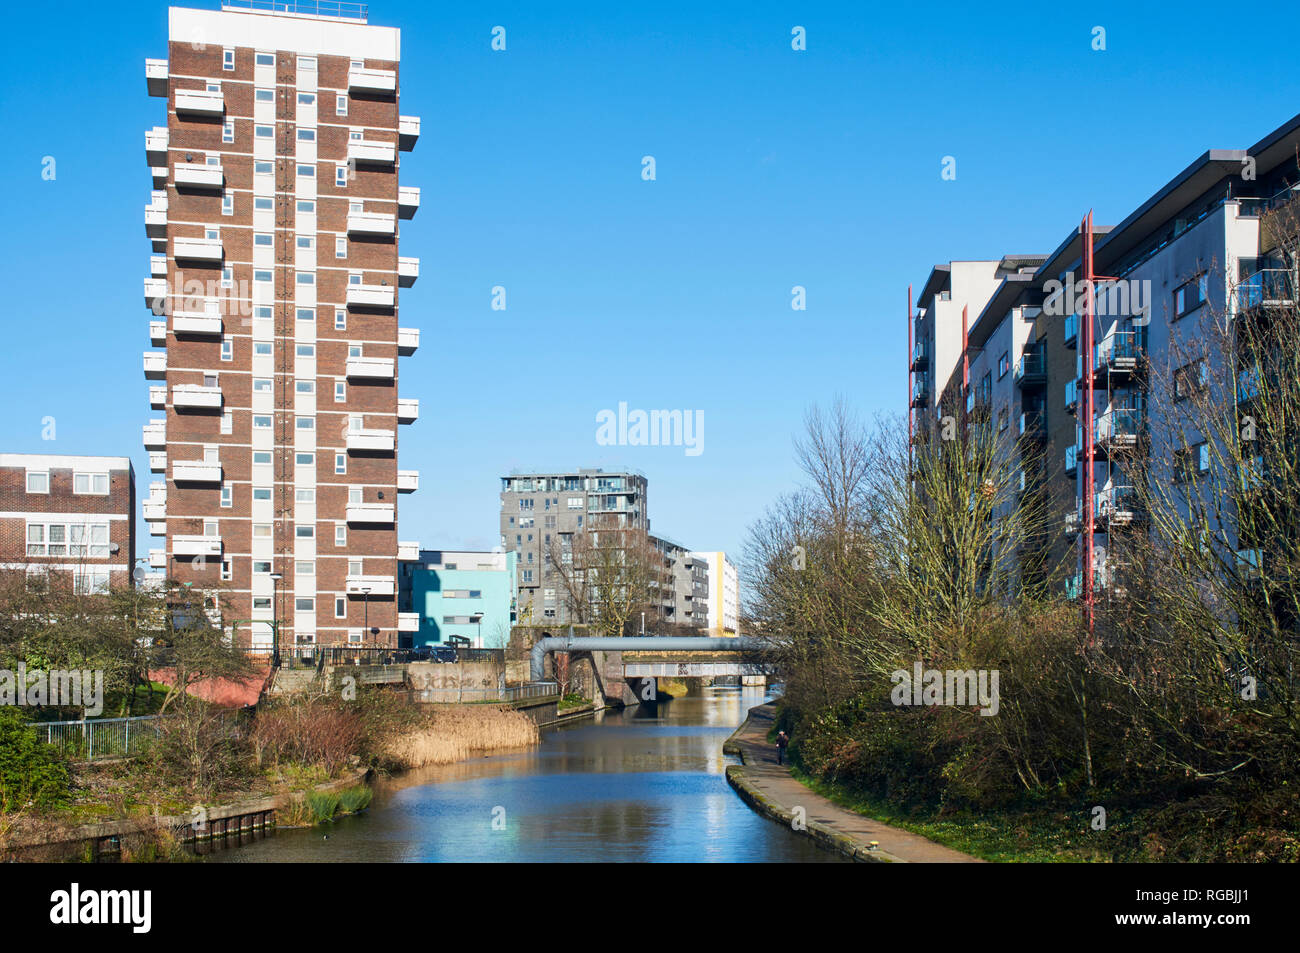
643 784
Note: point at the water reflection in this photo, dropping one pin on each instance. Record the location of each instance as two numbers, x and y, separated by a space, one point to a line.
639 785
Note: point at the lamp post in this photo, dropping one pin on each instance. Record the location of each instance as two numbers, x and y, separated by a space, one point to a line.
478 630
365 601
275 618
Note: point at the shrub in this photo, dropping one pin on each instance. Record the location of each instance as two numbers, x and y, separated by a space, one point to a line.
355 799
31 774
322 805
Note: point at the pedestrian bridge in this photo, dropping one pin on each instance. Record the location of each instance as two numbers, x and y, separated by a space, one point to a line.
662 656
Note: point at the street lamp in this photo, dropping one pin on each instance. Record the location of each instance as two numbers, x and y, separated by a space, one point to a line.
365 601
275 618
478 631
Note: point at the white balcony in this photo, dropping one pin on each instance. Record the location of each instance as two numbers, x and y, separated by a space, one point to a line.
364 152
198 249
371 368
196 322
196 397
200 102
157 559
155 216
157 527
155 294
155 77
408 270
371 296
196 471
408 132
408 200
158 396
370 585
408 409
385 513
158 461
159 175
158 333
155 434
408 481
371 223
374 441
198 175
408 622
154 511
158 268
155 365
362 80
196 545
155 146
408 341
408 551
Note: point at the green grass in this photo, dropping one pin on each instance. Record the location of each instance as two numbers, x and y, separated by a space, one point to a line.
571 700
1047 837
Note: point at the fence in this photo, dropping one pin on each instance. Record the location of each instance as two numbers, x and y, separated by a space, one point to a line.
99 737
500 694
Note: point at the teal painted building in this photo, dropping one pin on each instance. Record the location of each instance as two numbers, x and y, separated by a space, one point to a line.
471 595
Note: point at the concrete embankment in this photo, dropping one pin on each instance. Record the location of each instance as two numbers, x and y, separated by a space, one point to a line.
769 789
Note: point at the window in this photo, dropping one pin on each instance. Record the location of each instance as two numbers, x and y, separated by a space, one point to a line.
1004 365
340 607
341 176
263 204
1004 419
304 604
575 502
306 99
212 234
305 387
306 135
306 277
304 532
261 422
525 505
305 423
228 277
340 247
306 314
340 392
262 566
262 493
227 573
67 539
306 205
226 497
265 59
340 534
263 132
1190 295
262 385
261 530
38 481
94 483
1190 379
263 312
354 350
305 495
306 350
341 105
262 457
262 277
210 528
340 463
528 575
85 582
227 59
306 241
262 602
305 459
228 422
340 319
228 131
262 347
355 568
305 567
1190 461
263 167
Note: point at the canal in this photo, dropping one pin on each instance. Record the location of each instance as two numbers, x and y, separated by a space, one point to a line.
643 784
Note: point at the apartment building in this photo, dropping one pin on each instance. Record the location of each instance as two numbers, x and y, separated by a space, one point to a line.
682 593
457 595
541 513
1195 244
68 514
723 616
275 223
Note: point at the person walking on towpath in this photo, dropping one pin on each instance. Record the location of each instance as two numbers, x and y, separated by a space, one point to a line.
782 739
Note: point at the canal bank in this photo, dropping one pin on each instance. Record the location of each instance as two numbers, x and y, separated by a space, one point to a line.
770 790
642 784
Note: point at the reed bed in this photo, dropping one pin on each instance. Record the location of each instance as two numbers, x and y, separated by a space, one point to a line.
453 732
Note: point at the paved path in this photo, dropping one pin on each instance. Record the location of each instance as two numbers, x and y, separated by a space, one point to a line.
770 790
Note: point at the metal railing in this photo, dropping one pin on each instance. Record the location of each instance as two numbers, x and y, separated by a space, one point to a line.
316 8
1268 285
99 737
459 694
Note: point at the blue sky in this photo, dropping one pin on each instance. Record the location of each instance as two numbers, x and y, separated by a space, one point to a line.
774 168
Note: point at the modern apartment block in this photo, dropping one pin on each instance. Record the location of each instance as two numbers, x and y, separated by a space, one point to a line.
723 617
275 223
452 596
69 515
1195 244
683 598
541 512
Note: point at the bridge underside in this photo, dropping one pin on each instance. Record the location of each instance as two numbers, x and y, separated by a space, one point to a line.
702 669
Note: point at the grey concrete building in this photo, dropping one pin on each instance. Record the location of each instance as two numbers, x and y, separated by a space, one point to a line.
685 598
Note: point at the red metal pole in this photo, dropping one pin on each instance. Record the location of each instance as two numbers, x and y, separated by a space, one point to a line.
965 355
1089 474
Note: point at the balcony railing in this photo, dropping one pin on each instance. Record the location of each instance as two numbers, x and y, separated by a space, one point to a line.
384 513
1268 287
408 481
375 368
370 586
1031 369
371 296
371 223
408 410
373 441
155 77
196 546
362 151
200 102
408 341
408 131
199 175
408 271
408 551
365 80
408 200
196 397
196 471
1119 352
